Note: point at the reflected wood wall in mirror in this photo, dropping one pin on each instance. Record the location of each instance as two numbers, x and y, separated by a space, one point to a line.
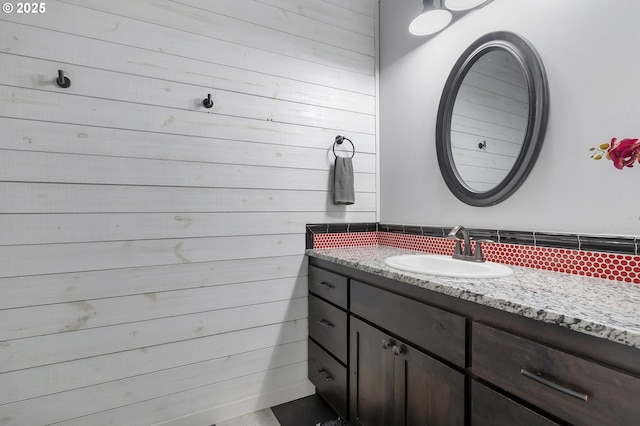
492 119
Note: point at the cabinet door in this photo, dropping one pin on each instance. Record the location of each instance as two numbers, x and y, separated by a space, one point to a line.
370 376
394 384
427 392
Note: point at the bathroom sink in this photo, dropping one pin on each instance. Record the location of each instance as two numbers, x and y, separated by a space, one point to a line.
447 266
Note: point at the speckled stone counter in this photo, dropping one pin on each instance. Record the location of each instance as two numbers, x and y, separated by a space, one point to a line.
598 307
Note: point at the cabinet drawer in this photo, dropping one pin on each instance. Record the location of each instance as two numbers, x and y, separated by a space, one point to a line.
433 329
572 388
489 408
328 327
329 378
328 285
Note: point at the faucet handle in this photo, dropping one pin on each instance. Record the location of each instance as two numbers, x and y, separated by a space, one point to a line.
479 257
483 240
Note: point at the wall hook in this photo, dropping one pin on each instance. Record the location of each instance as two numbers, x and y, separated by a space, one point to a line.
482 145
63 81
207 102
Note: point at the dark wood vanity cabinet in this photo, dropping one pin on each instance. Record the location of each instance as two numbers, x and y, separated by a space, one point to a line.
328 334
567 386
393 383
386 353
434 330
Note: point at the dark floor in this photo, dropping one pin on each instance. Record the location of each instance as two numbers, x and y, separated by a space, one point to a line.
309 411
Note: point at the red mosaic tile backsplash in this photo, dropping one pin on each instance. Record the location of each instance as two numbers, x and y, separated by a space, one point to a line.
611 266
345 239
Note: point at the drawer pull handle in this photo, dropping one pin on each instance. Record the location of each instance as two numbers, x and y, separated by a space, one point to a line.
325 375
326 285
553 385
323 322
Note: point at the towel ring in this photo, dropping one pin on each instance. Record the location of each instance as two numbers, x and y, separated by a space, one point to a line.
339 140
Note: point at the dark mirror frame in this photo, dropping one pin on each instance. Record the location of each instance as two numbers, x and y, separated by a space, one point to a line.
536 81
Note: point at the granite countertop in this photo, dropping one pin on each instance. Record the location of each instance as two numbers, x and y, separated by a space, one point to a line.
594 306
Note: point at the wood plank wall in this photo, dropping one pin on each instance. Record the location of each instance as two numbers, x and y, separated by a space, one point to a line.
152 250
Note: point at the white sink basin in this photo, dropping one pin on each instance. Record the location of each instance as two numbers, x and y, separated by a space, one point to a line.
447 266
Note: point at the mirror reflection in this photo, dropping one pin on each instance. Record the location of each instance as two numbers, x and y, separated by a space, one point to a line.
492 119
489 120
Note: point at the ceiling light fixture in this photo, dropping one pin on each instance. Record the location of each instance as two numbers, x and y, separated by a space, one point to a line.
433 18
458 5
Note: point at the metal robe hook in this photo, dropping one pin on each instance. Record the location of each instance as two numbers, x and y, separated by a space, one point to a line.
63 81
207 102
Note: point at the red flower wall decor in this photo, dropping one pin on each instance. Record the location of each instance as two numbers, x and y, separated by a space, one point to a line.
622 153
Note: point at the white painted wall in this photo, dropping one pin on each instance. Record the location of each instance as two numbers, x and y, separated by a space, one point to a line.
590 52
153 250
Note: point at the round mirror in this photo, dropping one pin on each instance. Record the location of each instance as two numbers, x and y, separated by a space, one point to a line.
492 119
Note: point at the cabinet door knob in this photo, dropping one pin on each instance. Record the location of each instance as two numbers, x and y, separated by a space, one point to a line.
398 350
386 344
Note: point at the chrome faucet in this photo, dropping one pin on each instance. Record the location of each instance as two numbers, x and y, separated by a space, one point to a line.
466 253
